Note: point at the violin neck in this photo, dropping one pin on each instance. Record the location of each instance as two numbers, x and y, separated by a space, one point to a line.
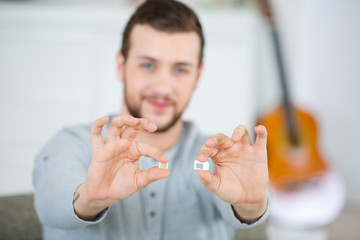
290 119
267 11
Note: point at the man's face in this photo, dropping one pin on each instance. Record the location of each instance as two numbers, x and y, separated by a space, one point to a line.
160 73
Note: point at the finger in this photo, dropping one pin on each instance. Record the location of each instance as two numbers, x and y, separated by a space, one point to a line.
219 140
96 136
150 175
130 132
212 146
261 136
205 152
210 181
117 125
152 152
241 135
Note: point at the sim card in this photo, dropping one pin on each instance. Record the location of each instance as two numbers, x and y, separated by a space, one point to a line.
163 165
201 165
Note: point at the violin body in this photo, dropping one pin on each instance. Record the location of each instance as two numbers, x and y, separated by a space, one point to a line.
292 164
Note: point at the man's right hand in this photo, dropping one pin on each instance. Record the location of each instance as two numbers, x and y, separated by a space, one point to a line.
114 172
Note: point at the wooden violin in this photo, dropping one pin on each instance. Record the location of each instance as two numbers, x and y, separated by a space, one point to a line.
293 154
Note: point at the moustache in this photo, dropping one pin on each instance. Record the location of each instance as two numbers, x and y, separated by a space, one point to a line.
159 99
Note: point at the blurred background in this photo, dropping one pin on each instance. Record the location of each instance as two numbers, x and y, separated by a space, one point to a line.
57 68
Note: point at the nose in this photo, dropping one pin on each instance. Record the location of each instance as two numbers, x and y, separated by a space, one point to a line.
162 83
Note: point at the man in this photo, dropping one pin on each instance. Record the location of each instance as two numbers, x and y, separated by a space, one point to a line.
103 181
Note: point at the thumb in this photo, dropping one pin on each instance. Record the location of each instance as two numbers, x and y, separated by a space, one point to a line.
210 181
150 175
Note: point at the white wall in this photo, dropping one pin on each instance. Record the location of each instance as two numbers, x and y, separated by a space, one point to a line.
328 79
57 67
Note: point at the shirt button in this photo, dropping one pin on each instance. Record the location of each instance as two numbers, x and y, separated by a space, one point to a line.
152 194
152 214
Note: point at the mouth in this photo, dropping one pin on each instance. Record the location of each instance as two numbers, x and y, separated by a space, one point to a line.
159 104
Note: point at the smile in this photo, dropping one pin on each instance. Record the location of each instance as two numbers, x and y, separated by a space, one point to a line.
159 105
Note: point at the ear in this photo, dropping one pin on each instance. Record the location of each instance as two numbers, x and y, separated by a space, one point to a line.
120 65
200 70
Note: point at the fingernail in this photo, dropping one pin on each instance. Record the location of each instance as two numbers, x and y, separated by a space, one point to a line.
152 125
164 157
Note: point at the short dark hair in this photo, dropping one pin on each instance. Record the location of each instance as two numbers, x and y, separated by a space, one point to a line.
164 15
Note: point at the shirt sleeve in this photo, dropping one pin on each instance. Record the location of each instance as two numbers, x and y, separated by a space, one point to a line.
228 213
60 168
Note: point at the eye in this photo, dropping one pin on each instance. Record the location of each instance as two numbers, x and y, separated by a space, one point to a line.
180 70
148 65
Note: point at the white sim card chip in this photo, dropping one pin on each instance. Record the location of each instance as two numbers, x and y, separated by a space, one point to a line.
201 165
163 165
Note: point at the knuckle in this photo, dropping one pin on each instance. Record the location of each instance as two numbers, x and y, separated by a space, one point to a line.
241 128
124 118
128 116
220 135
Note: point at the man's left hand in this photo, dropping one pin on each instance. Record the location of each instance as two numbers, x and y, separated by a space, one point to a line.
240 171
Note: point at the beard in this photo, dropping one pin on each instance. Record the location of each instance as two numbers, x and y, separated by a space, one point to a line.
135 111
